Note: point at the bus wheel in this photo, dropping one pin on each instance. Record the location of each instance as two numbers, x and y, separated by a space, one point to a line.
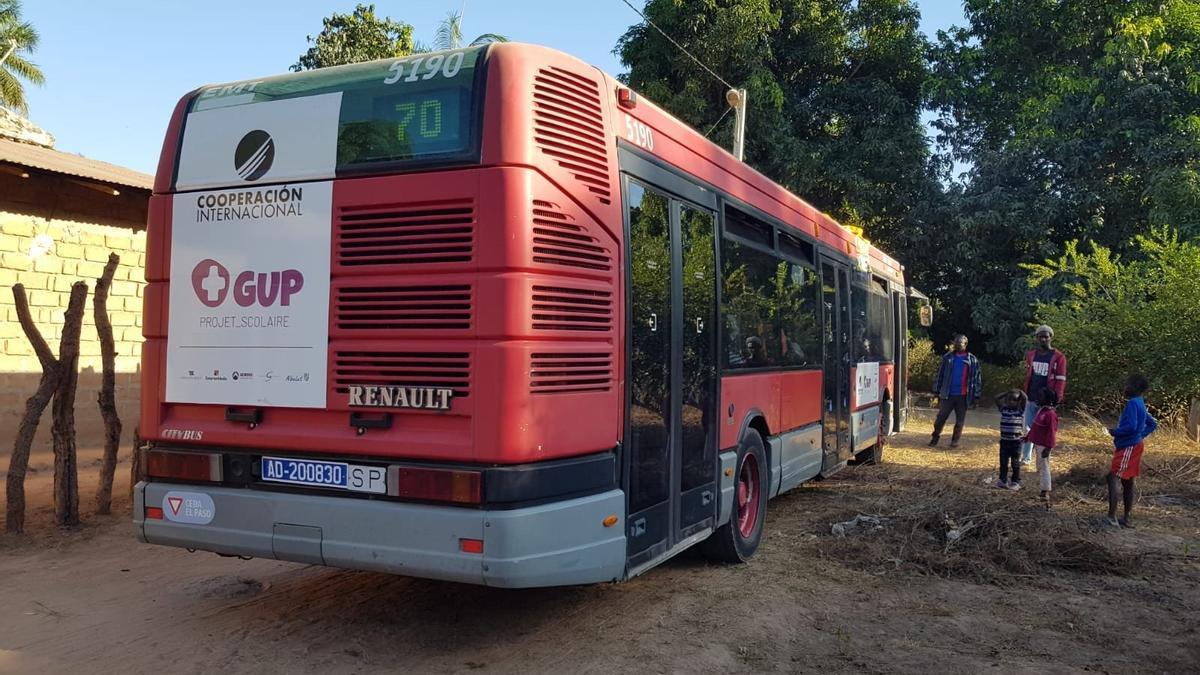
737 540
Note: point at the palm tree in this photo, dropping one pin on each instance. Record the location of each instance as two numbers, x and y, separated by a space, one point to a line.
16 38
449 34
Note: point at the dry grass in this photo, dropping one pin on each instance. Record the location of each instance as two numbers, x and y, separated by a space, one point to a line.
944 520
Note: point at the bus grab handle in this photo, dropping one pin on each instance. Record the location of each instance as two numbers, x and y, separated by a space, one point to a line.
363 422
253 417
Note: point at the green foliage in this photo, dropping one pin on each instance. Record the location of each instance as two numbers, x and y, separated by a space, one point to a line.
997 378
22 39
1081 121
922 364
834 96
356 37
1120 317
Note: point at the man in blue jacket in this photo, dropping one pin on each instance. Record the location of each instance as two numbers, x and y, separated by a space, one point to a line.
958 384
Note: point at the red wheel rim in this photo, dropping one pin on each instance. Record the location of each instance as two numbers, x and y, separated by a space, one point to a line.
747 496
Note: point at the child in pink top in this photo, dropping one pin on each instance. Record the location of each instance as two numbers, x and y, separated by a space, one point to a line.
1042 435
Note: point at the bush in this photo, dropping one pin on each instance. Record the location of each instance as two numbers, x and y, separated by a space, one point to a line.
1123 317
922 364
1000 378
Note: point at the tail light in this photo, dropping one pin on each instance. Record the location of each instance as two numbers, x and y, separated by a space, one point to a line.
436 485
190 466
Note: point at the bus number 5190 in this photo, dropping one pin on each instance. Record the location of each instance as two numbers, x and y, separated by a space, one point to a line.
638 133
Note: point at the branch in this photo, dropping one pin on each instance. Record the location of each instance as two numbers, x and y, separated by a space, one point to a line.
45 356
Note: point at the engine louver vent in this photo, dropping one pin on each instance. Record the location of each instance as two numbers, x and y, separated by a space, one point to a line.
429 232
558 373
559 240
403 369
403 308
565 308
569 127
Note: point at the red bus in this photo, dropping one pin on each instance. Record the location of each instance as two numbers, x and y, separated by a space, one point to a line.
488 316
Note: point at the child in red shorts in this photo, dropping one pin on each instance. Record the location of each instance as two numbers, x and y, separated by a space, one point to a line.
1129 439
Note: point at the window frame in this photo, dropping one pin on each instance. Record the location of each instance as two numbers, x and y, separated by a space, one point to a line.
777 232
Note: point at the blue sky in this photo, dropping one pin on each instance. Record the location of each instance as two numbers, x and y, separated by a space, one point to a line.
115 69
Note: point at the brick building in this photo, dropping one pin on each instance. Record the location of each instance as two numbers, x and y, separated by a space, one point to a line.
60 217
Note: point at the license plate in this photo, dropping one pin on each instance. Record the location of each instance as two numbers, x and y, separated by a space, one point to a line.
339 475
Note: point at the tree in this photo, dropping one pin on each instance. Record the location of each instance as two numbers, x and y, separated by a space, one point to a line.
835 91
449 34
1118 317
356 37
1081 121
17 39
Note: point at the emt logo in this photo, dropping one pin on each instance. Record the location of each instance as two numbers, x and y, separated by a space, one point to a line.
254 155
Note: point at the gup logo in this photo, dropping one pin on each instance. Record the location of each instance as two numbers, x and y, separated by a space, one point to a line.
254 155
211 282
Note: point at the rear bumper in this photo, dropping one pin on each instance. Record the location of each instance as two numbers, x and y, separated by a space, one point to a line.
554 544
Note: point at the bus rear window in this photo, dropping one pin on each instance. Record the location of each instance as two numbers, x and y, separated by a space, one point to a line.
416 109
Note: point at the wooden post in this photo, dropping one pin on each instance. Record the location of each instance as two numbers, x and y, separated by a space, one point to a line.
107 397
15 484
66 471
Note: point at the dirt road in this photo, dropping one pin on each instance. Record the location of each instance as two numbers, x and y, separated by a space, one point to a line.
97 601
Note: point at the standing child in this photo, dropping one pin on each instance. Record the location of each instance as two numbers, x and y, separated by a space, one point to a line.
1129 439
1042 434
1012 428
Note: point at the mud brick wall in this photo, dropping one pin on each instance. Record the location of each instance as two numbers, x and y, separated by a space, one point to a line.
48 255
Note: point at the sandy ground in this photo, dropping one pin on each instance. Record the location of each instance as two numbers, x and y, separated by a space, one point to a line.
95 600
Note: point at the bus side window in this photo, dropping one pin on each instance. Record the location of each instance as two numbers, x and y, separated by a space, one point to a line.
749 305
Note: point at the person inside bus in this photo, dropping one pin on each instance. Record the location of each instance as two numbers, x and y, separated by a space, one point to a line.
866 351
756 352
790 351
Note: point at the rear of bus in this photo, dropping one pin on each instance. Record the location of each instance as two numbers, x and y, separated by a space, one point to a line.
381 321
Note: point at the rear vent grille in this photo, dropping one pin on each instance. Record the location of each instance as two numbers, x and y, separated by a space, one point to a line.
571 373
404 307
559 240
432 232
563 308
569 127
403 369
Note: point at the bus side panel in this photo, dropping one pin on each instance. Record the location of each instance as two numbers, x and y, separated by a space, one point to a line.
744 393
800 402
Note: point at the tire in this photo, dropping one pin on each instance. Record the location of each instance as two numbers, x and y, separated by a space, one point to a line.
737 540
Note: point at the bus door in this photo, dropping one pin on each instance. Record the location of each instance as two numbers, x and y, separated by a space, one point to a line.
671 459
835 318
900 358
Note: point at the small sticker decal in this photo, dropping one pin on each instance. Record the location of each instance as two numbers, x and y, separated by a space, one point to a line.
194 508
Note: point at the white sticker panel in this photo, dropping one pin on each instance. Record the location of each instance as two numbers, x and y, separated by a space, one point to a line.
269 142
249 296
866 383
